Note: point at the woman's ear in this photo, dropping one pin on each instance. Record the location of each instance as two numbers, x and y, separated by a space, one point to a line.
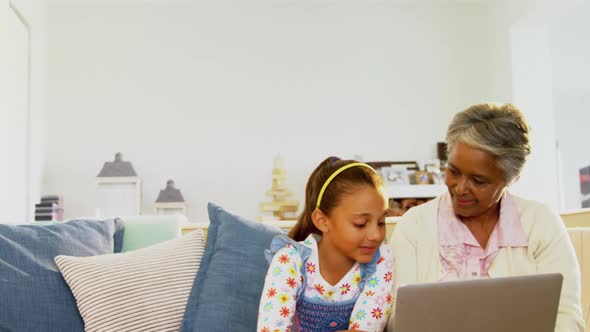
320 220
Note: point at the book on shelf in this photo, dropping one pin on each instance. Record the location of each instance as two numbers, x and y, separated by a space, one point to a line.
50 208
44 205
44 217
50 198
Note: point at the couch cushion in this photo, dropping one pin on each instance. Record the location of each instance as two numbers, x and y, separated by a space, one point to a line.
145 290
146 230
34 295
580 237
226 291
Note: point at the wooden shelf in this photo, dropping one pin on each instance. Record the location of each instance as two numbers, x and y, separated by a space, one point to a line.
415 190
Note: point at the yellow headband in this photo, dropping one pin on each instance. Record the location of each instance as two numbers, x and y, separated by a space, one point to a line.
338 171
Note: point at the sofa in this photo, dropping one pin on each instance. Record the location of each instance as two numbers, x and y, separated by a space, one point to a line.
33 292
578 225
220 293
100 275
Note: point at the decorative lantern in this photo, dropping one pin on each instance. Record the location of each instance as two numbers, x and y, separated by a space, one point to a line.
170 200
119 189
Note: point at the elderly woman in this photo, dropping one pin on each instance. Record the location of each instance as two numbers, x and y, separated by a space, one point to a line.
480 230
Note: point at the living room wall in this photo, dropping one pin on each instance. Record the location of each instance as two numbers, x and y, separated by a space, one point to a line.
549 51
23 106
208 93
570 38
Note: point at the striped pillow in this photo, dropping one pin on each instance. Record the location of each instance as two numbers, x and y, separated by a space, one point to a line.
142 290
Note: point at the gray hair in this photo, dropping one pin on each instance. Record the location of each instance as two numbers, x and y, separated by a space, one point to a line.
500 130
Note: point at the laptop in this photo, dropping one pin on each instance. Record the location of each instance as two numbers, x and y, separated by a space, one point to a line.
507 304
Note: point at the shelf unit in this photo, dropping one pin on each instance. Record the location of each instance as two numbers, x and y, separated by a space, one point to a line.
415 190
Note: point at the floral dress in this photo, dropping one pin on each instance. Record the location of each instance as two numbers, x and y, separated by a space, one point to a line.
294 275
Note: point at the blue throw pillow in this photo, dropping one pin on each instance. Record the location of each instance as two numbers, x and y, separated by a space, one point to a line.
33 293
227 288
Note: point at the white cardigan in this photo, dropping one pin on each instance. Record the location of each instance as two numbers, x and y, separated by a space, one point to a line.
416 252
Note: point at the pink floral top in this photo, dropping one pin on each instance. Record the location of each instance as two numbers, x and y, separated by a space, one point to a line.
284 279
462 257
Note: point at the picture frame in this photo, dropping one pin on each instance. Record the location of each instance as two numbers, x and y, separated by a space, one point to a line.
438 178
423 177
409 165
398 175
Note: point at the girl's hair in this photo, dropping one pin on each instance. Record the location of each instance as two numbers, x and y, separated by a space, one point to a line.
344 183
500 130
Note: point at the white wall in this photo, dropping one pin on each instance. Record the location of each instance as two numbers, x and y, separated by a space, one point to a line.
532 86
14 118
548 52
23 52
207 93
570 38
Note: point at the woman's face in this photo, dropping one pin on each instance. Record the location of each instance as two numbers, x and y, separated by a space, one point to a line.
356 227
474 181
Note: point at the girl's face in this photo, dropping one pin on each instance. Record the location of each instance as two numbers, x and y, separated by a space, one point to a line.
356 226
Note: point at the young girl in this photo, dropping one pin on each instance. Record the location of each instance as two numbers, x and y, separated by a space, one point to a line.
339 275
